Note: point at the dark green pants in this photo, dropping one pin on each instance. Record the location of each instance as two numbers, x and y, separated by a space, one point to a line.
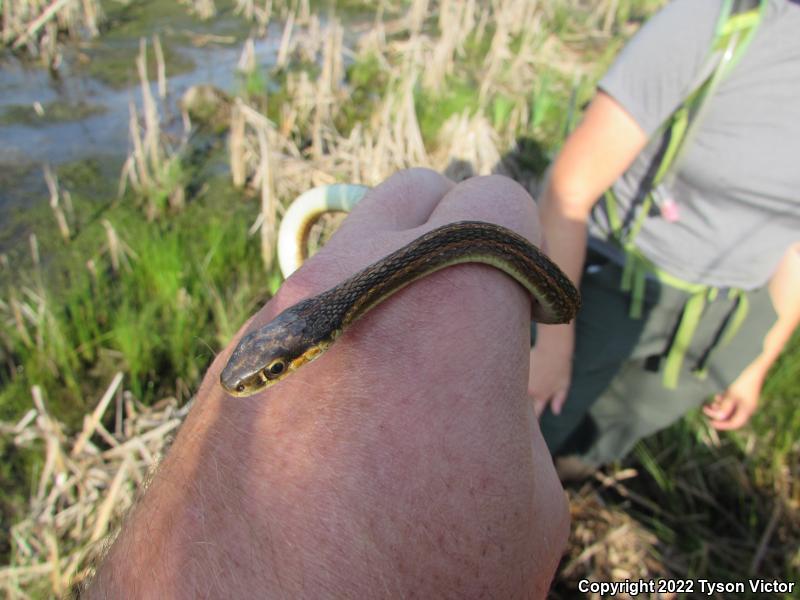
617 394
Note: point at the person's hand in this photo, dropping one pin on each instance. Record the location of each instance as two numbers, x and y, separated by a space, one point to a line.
551 367
733 408
406 460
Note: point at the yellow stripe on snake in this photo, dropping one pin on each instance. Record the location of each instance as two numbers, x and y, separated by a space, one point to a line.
305 330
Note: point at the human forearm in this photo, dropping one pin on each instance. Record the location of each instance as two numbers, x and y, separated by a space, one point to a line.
732 408
565 233
593 157
403 462
565 236
784 290
551 357
342 496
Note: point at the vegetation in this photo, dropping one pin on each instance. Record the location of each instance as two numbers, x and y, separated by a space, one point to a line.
37 26
52 112
111 310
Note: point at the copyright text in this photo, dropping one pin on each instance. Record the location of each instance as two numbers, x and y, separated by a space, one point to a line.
634 587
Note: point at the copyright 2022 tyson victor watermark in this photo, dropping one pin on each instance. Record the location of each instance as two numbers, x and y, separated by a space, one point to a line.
697 587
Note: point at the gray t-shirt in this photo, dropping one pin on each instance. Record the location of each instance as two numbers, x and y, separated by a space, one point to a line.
737 187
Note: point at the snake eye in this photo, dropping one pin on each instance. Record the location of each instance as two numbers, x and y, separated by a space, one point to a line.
276 368
240 387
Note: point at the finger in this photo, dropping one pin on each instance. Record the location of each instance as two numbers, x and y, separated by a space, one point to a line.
721 409
558 401
404 201
735 419
494 199
725 423
385 220
539 404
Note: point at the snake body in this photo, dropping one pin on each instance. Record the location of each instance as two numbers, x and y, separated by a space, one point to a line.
304 211
303 331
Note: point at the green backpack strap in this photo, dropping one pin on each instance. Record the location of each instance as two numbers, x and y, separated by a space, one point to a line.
735 29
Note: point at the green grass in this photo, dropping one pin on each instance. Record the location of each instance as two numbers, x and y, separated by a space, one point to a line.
141 18
159 319
720 500
169 181
190 280
114 66
53 112
433 110
711 505
368 82
194 276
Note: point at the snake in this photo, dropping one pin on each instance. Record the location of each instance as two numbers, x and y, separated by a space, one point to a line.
305 330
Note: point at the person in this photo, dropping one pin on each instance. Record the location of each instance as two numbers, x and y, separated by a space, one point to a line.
719 272
405 462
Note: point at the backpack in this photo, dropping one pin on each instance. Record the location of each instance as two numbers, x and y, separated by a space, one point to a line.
736 26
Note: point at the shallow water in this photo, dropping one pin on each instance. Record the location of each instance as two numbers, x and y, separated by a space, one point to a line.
26 146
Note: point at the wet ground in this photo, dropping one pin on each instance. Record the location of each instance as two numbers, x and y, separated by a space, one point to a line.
82 114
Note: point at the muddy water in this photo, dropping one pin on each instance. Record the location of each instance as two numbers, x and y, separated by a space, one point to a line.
93 117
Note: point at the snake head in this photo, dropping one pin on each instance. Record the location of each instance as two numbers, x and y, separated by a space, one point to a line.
265 356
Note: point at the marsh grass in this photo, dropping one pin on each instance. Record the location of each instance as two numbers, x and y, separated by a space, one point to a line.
154 169
36 26
83 487
52 112
130 294
153 292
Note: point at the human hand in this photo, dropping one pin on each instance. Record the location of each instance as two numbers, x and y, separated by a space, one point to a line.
551 367
733 408
406 457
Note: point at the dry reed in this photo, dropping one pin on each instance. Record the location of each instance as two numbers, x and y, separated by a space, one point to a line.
204 9
418 56
86 484
160 67
55 202
119 252
607 544
90 479
247 60
244 119
260 13
35 25
153 167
